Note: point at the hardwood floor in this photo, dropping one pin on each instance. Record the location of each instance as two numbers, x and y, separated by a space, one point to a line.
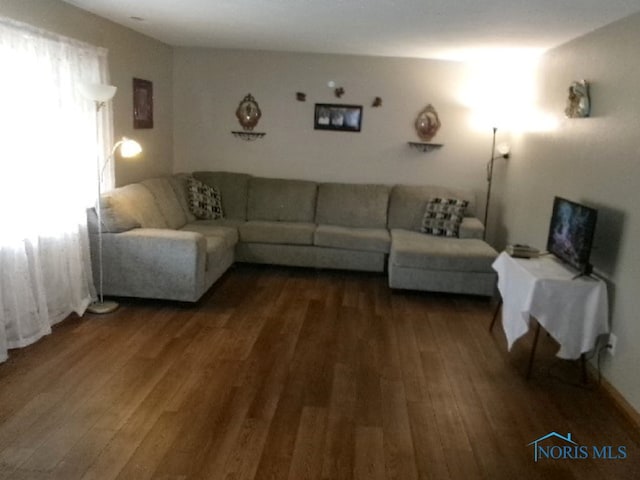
298 374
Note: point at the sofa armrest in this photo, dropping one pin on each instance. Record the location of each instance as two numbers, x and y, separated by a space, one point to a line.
471 227
153 263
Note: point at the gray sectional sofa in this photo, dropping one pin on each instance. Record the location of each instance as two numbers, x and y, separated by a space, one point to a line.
154 247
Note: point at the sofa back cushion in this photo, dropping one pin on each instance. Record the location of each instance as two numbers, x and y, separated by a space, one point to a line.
407 204
112 221
178 182
233 188
167 201
281 200
135 200
352 205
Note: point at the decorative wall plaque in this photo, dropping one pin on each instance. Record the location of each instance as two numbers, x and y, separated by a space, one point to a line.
427 124
337 117
248 112
578 103
142 103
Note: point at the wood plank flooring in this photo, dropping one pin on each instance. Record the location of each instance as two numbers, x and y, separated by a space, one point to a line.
298 374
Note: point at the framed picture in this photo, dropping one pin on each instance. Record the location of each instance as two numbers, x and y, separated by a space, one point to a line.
341 118
142 103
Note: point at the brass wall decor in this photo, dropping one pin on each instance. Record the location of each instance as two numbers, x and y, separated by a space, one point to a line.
578 102
248 112
301 96
427 123
377 102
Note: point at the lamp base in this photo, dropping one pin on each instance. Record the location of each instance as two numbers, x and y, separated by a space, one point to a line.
103 307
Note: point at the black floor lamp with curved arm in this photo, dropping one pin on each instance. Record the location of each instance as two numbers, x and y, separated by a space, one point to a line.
503 153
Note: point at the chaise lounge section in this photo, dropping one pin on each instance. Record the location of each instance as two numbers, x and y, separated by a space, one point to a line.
155 247
437 263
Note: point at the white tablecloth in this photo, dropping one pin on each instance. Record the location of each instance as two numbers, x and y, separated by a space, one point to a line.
573 311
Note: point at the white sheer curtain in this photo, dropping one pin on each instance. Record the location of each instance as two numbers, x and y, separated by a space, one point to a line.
47 179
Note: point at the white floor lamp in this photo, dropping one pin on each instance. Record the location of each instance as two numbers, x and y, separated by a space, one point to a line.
100 94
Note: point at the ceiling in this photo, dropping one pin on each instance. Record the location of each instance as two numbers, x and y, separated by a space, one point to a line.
443 29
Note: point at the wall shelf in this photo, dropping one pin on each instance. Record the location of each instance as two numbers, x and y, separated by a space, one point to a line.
248 136
425 147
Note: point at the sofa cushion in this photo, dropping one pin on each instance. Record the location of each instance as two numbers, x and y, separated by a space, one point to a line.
348 238
352 205
135 200
416 250
443 216
219 222
114 222
167 201
179 184
289 233
216 248
471 227
407 204
227 233
204 200
282 200
233 188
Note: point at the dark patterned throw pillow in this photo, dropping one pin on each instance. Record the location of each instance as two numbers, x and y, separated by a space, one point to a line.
443 217
204 201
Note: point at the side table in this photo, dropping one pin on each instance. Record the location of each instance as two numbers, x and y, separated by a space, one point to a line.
573 310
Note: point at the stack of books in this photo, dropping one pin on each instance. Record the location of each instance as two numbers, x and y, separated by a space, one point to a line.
522 251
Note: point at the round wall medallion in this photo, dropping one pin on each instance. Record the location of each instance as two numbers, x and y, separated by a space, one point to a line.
248 112
427 124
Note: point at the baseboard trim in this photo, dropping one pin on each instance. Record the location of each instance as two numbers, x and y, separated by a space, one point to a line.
624 407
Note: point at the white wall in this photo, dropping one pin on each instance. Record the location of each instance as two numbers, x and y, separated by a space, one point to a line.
593 160
209 84
130 55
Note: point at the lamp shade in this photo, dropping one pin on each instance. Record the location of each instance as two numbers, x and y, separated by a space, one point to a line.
98 92
504 149
129 148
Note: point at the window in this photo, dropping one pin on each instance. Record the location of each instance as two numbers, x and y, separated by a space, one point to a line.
47 178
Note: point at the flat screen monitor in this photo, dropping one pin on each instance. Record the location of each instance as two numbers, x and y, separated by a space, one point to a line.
571 233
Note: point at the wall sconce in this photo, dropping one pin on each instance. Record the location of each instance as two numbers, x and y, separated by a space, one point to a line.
504 152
